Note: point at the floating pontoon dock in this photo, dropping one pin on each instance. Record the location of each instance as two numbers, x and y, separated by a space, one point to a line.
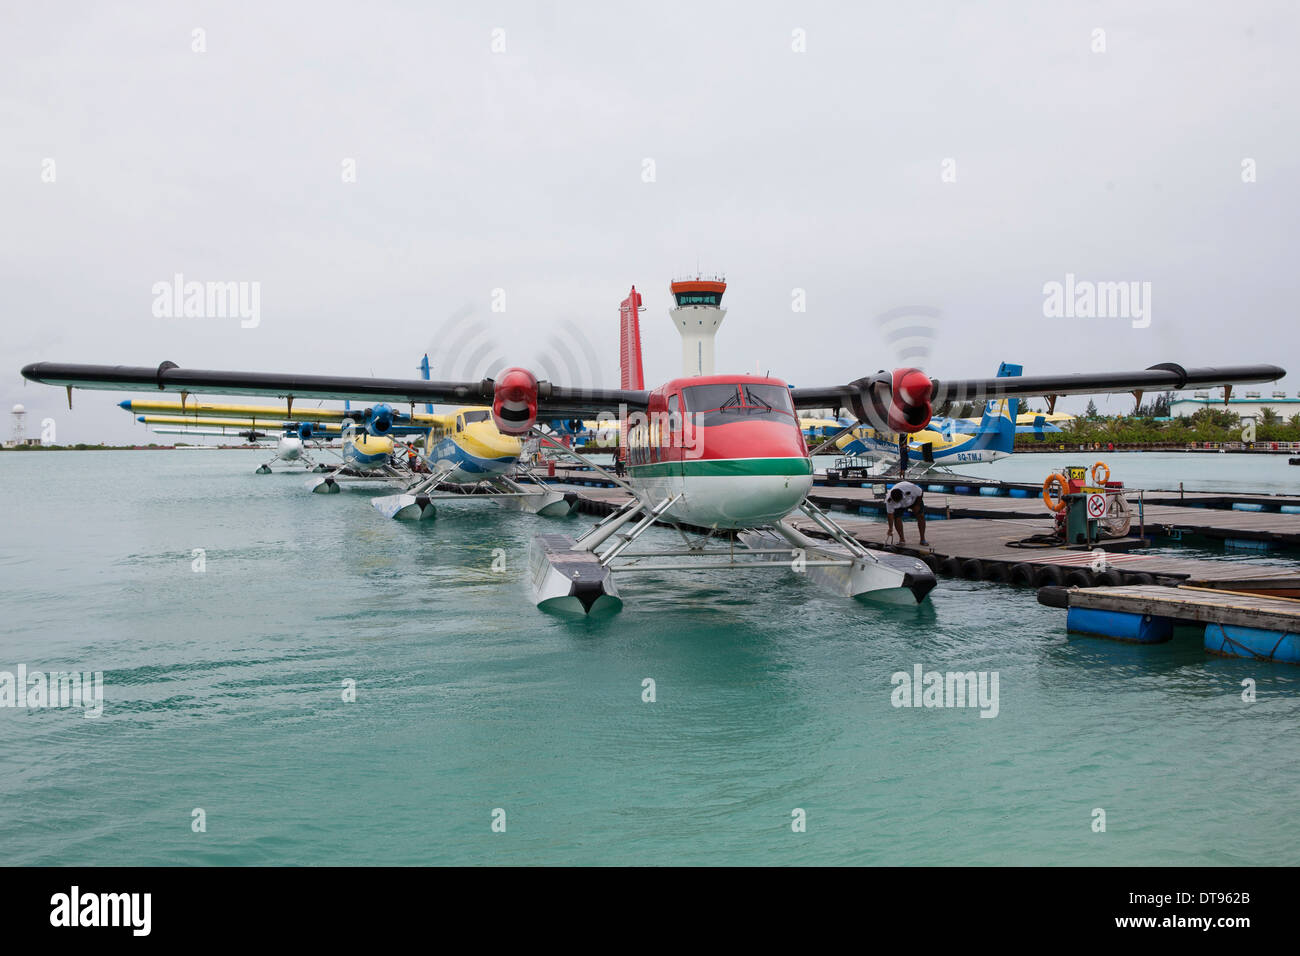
1236 624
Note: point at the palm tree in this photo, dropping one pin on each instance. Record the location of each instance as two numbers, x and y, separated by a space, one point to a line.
1268 417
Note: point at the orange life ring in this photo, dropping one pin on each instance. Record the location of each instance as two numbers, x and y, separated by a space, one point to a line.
1059 503
1099 482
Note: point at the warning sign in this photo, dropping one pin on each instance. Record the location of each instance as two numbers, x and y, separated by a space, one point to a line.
1096 506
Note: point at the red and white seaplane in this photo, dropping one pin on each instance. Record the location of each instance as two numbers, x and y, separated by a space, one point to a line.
711 453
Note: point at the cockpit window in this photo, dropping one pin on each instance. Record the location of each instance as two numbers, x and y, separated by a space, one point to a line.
706 398
479 416
773 397
723 404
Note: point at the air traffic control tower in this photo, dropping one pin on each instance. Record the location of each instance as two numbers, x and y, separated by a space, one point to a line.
697 315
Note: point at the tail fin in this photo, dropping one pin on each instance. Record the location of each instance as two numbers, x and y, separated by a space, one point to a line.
630 342
997 430
424 373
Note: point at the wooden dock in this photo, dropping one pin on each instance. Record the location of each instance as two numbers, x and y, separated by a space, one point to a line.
1162 517
1193 605
1235 623
988 550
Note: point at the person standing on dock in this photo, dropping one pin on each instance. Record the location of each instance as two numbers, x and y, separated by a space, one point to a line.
905 496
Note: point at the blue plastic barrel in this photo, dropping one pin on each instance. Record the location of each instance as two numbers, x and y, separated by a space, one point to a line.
1119 625
1231 640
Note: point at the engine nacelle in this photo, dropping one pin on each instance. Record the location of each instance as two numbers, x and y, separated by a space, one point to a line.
306 430
379 420
909 410
897 401
514 401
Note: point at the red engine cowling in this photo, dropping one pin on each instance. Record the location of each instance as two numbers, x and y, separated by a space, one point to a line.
909 408
514 401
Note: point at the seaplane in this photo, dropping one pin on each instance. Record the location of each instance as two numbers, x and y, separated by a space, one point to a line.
465 456
713 455
428 456
293 442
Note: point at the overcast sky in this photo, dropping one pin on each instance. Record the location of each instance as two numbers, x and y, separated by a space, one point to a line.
525 170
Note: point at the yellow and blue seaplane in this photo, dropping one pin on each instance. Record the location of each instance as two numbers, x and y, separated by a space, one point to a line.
429 456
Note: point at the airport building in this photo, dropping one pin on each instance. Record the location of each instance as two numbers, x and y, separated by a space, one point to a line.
1246 404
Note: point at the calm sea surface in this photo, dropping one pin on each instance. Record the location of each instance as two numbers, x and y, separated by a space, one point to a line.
224 691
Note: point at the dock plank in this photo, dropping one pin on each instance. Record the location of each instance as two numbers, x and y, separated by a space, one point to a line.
1194 605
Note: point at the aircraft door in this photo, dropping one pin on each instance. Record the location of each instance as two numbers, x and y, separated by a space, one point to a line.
674 441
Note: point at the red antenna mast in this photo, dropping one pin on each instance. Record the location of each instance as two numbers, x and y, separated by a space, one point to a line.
633 376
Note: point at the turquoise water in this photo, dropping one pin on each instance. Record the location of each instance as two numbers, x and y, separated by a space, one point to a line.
1197 471
1257 473
224 692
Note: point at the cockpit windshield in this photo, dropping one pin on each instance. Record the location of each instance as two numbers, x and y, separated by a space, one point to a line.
479 416
740 402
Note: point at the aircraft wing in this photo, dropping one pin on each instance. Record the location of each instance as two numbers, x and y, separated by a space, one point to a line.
264 412
1157 378
903 399
551 400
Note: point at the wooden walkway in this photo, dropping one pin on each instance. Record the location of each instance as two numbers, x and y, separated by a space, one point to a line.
985 549
1195 606
1161 519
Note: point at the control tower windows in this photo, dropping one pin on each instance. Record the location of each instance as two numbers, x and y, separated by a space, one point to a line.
698 298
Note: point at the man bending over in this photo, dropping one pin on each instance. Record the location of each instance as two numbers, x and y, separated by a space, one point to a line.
905 496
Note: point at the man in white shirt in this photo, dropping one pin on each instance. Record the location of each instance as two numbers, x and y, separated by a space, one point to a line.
905 496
